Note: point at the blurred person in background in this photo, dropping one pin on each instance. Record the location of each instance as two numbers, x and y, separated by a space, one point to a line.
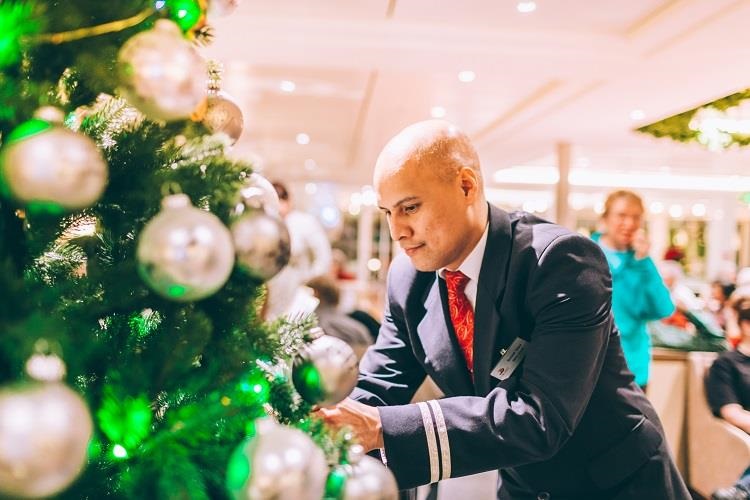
638 292
335 322
728 392
310 257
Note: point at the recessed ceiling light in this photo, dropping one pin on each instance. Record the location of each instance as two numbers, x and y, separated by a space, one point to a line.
438 112
637 114
303 138
310 164
311 188
466 76
526 7
287 86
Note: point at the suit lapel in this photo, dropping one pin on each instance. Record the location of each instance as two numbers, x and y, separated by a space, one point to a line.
492 280
440 345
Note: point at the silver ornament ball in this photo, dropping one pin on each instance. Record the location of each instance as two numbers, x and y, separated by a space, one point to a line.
367 478
262 244
257 193
185 253
278 463
161 74
56 168
223 116
45 430
325 371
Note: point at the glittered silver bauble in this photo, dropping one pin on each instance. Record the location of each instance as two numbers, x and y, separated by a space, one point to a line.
161 74
45 430
325 370
51 168
222 7
185 253
257 193
365 478
277 463
262 244
223 116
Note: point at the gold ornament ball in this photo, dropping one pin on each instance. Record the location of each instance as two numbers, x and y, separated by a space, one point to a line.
184 253
161 74
222 115
45 430
57 167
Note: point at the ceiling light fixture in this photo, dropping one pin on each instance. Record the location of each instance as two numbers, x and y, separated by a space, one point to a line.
303 138
637 114
287 86
526 7
466 76
438 112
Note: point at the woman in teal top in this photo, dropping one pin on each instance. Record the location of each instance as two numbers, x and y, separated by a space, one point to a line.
638 292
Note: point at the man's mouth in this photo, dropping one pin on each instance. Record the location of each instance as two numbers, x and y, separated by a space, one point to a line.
412 249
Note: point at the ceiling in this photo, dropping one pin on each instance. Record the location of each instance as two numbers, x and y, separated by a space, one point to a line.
571 71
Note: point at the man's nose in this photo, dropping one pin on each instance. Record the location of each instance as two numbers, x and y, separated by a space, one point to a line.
399 229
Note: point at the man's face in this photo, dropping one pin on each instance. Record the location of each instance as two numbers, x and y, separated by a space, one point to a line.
622 221
427 216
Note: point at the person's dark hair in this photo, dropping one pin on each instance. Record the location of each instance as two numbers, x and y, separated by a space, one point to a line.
726 288
742 307
326 290
281 190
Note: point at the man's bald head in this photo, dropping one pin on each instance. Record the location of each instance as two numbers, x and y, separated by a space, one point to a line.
436 145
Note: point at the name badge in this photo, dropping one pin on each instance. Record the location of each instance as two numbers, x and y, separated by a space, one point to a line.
510 360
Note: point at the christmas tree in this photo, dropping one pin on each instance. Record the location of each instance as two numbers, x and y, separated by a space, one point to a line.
133 251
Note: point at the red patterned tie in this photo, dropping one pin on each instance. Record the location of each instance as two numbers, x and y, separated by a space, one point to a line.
462 314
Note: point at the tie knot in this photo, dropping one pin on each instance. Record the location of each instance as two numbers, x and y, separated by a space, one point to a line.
456 280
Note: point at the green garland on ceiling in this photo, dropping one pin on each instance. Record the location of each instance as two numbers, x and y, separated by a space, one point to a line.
677 127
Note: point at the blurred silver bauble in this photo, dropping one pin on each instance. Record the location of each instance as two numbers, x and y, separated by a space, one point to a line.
52 168
222 7
161 73
222 115
185 253
45 430
277 463
257 193
262 244
367 478
325 370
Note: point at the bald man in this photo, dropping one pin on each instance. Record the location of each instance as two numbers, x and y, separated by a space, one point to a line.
511 317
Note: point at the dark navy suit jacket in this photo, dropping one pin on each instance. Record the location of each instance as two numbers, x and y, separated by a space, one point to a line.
568 423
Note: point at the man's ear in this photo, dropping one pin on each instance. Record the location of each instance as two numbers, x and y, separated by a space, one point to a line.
469 181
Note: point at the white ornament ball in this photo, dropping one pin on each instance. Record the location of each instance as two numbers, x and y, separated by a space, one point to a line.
278 463
54 169
367 478
262 244
185 253
325 371
161 73
223 116
257 193
222 7
45 430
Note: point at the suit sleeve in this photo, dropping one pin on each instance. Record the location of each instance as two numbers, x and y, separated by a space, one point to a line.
389 373
529 418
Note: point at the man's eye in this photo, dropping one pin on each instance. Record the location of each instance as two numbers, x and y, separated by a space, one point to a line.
410 209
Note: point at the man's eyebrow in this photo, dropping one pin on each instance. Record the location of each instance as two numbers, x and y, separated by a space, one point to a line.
400 202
